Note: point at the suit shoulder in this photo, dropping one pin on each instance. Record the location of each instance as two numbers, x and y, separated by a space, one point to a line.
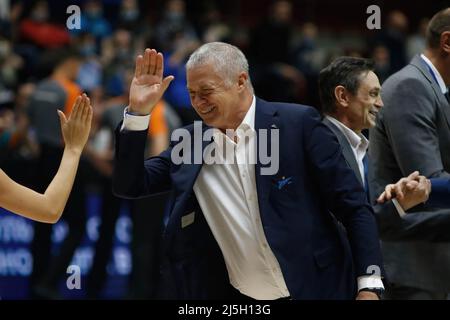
294 109
410 78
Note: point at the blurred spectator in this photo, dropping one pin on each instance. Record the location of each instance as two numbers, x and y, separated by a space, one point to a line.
393 37
309 58
174 21
93 22
381 58
7 18
177 95
213 27
416 43
274 75
17 158
117 56
177 39
10 63
129 17
38 29
91 71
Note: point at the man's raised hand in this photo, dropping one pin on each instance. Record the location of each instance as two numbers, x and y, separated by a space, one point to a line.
148 84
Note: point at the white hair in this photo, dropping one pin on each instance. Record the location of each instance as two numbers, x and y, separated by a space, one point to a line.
227 60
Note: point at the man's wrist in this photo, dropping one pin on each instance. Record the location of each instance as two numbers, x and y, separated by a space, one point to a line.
134 122
135 112
401 212
378 291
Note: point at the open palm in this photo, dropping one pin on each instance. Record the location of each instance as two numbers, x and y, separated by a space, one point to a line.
148 84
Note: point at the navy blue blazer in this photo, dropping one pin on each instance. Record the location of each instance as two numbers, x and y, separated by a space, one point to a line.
318 259
440 192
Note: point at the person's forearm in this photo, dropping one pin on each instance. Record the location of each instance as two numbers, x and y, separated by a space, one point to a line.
59 189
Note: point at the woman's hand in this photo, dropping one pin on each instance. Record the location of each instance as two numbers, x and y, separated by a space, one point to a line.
75 130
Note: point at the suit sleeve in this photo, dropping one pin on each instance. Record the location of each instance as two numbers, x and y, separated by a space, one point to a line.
132 176
440 193
342 192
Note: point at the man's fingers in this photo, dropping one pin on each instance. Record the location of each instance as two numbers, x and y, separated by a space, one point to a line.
139 66
425 184
411 185
413 176
146 62
152 68
382 197
387 192
159 65
166 81
422 180
398 189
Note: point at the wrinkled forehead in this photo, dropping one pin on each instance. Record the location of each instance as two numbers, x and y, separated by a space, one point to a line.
203 75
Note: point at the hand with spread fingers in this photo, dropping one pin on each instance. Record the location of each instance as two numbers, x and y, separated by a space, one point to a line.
409 191
148 84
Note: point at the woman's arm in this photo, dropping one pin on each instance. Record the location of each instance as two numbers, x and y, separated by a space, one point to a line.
49 206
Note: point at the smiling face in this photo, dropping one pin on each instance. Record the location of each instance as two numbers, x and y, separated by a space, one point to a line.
363 106
366 103
217 102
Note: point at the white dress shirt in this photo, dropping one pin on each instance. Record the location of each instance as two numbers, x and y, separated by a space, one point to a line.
358 142
227 195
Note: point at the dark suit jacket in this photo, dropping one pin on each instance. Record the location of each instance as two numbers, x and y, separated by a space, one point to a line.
412 132
316 261
440 193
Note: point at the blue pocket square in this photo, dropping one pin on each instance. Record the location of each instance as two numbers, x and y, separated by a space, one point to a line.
284 182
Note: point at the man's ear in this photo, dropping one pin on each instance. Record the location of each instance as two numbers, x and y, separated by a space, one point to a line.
445 41
242 81
342 96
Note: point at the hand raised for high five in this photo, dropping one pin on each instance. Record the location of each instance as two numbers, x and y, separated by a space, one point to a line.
148 84
75 130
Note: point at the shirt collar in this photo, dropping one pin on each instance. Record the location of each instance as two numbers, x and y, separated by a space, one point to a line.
356 140
249 119
246 124
436 73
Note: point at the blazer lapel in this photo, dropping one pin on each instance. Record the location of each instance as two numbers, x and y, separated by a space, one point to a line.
346 149
418 62
265 118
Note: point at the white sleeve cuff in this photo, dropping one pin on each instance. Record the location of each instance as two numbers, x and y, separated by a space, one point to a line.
371 281
399 208
133 122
